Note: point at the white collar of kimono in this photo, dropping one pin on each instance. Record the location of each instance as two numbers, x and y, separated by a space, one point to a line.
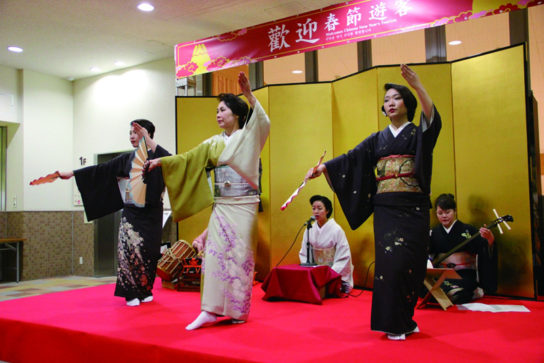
449 229
320 228
227 138
396 131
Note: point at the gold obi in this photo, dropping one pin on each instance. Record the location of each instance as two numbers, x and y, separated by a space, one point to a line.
395 173
324 256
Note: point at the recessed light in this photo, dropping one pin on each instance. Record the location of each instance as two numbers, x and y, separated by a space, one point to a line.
455 42
297 71
95 69
119 63
146 7
15 49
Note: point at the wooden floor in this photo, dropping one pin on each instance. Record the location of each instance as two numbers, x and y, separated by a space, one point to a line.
14 290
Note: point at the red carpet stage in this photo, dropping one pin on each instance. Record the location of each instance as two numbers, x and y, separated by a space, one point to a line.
90 325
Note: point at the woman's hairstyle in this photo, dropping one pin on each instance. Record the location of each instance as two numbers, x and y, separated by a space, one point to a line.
146 124
236 105
407 96
445 201
326 202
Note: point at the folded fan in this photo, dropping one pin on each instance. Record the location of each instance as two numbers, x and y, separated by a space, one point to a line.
49 178
136 186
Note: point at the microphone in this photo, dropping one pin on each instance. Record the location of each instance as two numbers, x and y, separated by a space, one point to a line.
309 257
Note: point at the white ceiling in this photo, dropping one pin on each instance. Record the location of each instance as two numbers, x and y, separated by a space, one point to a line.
66 38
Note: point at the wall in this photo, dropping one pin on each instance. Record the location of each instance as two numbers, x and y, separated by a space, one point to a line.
8 94
52 124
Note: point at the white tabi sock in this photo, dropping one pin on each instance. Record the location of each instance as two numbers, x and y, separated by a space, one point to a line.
133 302
204 318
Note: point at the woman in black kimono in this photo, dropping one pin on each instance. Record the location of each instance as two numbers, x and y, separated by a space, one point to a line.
398 194
473 262
140 231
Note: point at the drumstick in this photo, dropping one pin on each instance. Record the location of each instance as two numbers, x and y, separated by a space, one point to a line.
295 193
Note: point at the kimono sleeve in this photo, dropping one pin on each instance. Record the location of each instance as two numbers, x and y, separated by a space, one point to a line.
186 178
424 152
99 188
354 182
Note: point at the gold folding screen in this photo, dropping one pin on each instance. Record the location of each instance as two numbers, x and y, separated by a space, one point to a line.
491 157
480 156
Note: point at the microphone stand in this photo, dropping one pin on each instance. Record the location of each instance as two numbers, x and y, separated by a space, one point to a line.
308 247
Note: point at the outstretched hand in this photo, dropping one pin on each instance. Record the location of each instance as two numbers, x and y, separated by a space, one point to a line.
315 172
243 82
151 164
65 174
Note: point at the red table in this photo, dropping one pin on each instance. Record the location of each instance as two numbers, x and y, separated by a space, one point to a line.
300 283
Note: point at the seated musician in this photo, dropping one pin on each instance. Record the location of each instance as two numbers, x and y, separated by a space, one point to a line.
328 242
468 259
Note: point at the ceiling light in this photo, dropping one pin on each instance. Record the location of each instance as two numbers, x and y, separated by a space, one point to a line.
15 49
95 69
455 42
119 63
146 7
297 71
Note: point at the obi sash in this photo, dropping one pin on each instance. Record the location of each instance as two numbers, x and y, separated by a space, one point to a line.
324 256
395 173
229 183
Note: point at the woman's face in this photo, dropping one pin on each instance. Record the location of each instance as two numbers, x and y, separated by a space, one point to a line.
226 119
393 104
320 212
446 216
134 137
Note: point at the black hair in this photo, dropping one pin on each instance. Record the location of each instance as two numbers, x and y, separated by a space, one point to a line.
236 105
326 202
146 124
410 101
445 201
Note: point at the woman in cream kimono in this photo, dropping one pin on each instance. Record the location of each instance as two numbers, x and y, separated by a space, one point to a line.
328 242
228 262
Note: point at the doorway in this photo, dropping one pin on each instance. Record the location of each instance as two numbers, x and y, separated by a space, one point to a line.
106 231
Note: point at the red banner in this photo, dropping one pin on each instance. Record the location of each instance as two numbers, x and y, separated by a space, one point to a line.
343 23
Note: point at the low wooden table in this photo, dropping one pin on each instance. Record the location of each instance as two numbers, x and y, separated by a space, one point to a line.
13 244
434 278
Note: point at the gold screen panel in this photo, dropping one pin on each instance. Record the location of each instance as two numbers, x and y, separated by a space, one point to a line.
355 117
301 130
262 258
195 123
490 140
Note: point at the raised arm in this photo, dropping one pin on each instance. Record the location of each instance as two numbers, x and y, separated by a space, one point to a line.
246 88
413 80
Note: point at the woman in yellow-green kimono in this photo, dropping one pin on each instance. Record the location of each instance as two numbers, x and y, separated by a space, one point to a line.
228 262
